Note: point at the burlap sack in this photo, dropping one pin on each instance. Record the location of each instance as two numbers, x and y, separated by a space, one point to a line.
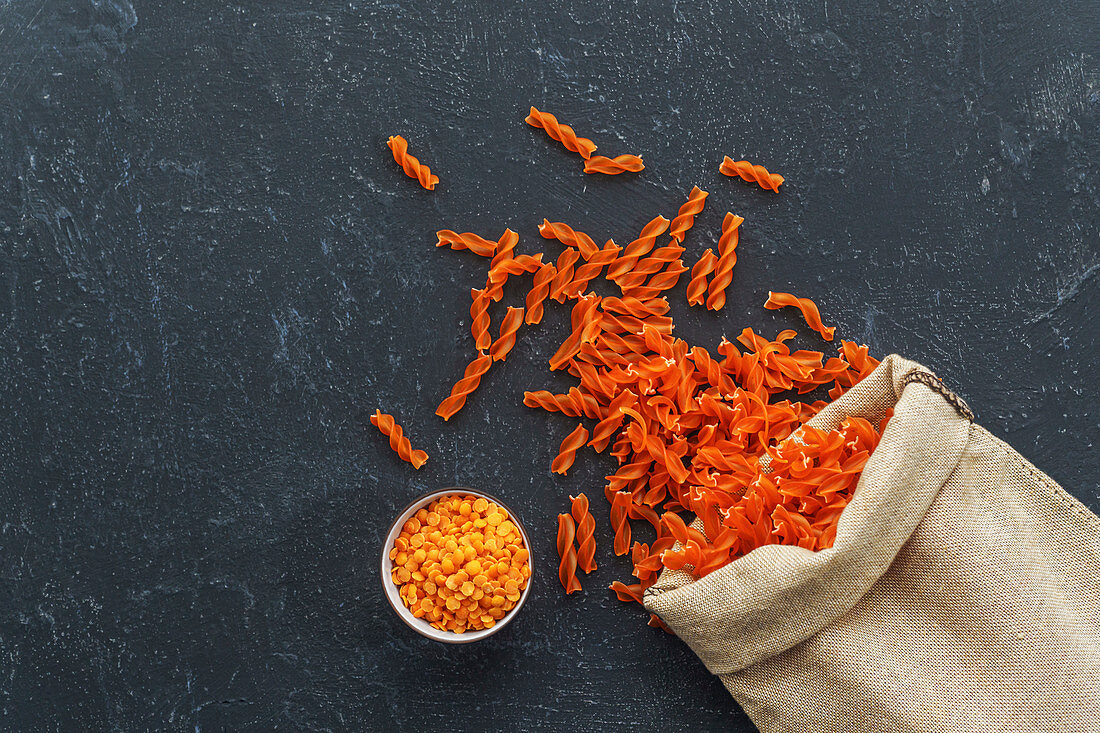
962 594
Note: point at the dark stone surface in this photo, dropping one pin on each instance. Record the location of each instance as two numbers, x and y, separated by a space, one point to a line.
213 272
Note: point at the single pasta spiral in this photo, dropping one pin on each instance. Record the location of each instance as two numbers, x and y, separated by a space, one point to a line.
507 338
413 168
562 133
463 387
620 503
505 249
467 240
586 533
613 166
697 286
569 237
809 311
639 248
564 274
727 258
479 318
685 218
567 567
398 442
607 427
752 173
568 450
539 292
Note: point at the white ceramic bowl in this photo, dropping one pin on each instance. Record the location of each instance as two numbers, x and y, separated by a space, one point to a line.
419 625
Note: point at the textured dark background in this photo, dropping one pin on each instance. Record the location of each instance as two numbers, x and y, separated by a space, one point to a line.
212 273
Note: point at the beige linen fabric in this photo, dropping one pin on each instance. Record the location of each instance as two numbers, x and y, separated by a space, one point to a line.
962 594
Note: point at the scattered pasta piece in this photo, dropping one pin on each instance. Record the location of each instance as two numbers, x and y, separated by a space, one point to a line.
809 311
467 240
568 450
540 290
507 338
413 168
562 133
614 166
727 258
569 237
461 563
567 553
752 173
697 286
475 370
586 532
686 216
398 442
479 318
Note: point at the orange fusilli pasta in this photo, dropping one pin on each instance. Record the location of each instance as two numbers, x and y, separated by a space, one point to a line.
398 442
752 173
413 168
685 218
697 286
567 554
562 133
809 311
467 240
475 370
568 450
507 338
727 258
614 166
586 533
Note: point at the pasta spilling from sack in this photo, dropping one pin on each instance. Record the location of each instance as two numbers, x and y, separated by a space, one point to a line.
713 451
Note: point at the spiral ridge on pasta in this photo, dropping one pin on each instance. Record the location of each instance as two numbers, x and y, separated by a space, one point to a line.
757 174
639 248
467 240
562 133
697 285
567 554
685 218
568 450
511 322
627 593
479 318
809 311
539 292
662 281
475 370
569 237
614 166
505 249
586 532
564 274
413 168
619 521
398 442
727 258
498 275
591 269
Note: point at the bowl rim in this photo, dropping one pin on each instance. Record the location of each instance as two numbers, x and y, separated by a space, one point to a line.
390 589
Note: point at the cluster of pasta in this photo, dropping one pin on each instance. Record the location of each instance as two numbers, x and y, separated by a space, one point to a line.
713 450
460 563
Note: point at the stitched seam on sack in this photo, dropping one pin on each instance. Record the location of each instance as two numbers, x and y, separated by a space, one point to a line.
934 383
1054 489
